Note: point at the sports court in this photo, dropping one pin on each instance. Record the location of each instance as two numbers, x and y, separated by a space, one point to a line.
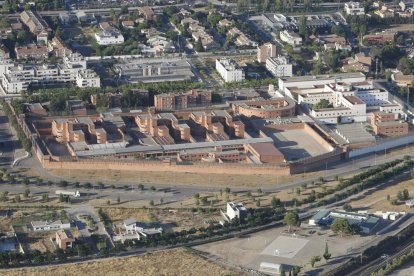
285 247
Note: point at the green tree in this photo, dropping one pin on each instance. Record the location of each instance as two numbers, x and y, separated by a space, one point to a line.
347 207
303 29
199 46
322 104
326 254
314 260
342 226
291 219
275 202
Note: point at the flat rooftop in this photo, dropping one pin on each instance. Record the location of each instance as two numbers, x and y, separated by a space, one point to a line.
322 77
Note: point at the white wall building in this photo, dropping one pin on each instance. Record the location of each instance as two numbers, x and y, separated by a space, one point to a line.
352 103
235 210
354 8
109 37
319 80
291 38
71 71
49 225
229 70
279 66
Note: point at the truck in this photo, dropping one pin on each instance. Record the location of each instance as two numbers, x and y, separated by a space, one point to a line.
69 193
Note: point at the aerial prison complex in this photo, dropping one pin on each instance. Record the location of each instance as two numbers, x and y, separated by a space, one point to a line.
187 132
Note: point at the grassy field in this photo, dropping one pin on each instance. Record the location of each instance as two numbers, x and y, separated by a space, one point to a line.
171 262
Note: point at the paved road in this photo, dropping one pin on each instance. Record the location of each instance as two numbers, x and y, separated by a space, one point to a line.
182 191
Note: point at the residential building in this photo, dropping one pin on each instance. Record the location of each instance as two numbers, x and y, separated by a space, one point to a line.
291 38
135 71
87 78
147 12
385 124
64 239
132 226
225 23
172 101
36 24
360 63
265 51
109 37
235 211
57 46
32 51
379 38
241 40
128 24
72 70
354 8
229 70
402 80
50 225
279 66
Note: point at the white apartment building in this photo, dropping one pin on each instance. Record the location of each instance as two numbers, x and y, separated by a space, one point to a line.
229 70
109 37
279 67
291 38
354 8
87 78
72 71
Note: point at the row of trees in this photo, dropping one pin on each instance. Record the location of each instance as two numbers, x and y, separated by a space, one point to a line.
395 263
26 143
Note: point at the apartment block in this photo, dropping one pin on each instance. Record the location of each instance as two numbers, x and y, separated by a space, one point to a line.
72 70
279 66
172 101
36 24
265 51
291 38
354 8
229 70
32 52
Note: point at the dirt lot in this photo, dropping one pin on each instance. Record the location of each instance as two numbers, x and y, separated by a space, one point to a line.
175 220
377 201
37 241
172 262
210 180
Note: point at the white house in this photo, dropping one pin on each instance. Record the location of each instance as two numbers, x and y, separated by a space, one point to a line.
291 38
354 8
229 70
132 226
109 37
279 66
235 210
49 225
